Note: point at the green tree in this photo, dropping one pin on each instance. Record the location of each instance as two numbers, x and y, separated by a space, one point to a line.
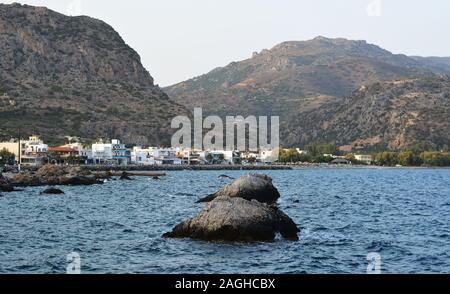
409 158
318 149
6 157
387 158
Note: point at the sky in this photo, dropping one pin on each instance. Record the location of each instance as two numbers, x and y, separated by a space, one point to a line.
180 39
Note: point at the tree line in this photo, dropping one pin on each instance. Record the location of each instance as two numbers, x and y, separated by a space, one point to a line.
416 155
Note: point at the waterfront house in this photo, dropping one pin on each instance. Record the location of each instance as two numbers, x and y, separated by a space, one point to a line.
367 159
33 151
268 156
341 161
143 156
62 154
110 153
167 156
191 157
101 152
121 155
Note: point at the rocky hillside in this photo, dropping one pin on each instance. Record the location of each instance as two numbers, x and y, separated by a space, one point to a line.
63 75
296 79
392 115
293 77
437 64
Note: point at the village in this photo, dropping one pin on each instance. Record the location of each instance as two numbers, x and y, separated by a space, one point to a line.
34 152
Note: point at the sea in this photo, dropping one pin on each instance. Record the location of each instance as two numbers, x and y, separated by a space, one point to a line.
352 220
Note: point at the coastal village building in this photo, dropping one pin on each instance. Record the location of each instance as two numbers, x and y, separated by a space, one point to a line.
33 151
167 156
143 156
268 156
191 157
367 159
110 153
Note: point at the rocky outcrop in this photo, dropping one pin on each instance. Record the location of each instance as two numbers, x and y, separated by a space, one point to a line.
125 177
52 175
236 220
249 187
240 212
52 191
5 185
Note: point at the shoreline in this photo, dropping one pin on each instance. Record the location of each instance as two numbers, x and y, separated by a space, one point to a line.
163 168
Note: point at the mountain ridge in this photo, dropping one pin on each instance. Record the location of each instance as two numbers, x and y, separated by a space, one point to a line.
76 76
296 78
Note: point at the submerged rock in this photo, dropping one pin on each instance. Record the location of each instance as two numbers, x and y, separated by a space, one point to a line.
125 177
237 220
249 187
223 177
52 191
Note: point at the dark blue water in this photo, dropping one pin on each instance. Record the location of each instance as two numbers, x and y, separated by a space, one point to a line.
402 214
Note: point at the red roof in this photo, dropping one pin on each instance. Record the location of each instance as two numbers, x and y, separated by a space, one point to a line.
62 149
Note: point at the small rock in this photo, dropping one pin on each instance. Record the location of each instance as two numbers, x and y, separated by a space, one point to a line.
52 191
125 177
225 177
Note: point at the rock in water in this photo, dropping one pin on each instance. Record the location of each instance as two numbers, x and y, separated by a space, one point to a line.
125 177
24 179
249 187
52 191
222 177
50 175
236 220
5 185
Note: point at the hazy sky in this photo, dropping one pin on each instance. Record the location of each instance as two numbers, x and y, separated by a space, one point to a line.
180 39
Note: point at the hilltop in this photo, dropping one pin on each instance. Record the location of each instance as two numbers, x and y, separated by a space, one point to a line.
62 75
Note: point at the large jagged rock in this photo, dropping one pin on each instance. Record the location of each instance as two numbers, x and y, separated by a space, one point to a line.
249 187
237 220
5 185
244 211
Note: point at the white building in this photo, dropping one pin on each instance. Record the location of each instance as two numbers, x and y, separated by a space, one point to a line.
143 156
101 152
268 156
367 159
167 156
33 151
82 150
221 157
111 153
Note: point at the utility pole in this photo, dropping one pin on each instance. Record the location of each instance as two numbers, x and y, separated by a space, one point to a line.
20 151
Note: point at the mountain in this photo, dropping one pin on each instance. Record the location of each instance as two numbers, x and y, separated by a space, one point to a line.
62 75
438 64
388 115
295 79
